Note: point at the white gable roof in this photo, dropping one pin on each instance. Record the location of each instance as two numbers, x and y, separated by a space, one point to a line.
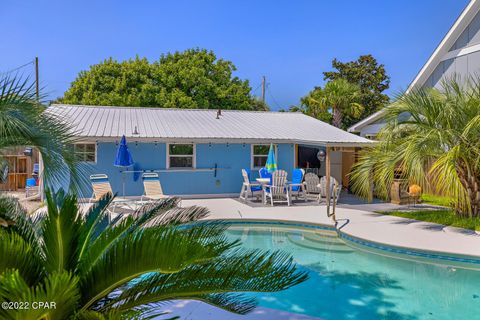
172 125
437 56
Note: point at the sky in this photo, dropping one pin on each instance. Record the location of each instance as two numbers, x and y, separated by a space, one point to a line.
289 42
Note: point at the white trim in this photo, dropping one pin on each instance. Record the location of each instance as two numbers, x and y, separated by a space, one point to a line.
461 52
85 143
368 120
194 156
447 42
275 146
439 54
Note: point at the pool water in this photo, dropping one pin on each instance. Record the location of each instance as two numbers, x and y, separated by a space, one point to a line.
347 283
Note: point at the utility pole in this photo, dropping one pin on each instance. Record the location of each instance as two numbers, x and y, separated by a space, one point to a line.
263 89
37 87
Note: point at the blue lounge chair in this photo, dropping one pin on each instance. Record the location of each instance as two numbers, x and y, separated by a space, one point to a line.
296 186
248 187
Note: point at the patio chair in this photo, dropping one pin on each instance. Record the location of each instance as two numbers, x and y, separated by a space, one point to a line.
263 172
248 187
152 187
335 189
101 186
311 185
277 190
296 186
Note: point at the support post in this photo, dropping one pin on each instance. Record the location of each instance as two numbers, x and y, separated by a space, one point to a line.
37 85
327 174
41 187
263 89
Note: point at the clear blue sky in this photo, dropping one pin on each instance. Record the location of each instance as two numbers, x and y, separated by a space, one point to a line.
290 42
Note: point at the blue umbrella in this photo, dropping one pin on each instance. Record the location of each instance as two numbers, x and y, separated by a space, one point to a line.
124 159
271 164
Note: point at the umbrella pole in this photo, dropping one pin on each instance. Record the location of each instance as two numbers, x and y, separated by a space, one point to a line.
123 182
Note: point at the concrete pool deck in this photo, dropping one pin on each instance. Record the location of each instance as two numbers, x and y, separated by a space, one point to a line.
366 225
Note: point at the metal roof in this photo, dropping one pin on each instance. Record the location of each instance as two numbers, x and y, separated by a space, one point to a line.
178 125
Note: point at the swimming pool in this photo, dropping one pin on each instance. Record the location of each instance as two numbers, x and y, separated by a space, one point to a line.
347 283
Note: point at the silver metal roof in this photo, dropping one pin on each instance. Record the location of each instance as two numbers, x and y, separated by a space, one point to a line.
179 125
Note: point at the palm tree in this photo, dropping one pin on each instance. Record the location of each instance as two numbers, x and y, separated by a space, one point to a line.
338 96
24 122
93 269
432 139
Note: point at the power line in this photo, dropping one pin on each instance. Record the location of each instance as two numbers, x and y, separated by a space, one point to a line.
273 98
18 68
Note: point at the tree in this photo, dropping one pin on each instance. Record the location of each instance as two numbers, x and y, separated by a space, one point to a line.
436 146
191 79
337 99
93 269
24 122
372 79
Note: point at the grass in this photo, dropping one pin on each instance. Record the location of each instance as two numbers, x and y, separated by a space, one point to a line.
446 217
436 200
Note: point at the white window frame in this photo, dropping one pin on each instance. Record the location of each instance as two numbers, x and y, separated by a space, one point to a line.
252 156
194 160
85 143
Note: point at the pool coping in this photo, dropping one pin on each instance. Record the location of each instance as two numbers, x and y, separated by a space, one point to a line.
375 247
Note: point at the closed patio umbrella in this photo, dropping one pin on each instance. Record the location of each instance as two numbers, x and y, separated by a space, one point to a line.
124 158
271 164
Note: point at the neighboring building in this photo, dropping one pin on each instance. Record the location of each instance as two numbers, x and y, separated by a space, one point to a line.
457 54
197 151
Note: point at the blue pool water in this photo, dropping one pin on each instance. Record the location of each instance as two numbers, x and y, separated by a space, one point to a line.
347 283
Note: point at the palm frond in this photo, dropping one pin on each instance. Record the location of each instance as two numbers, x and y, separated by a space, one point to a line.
60 231
239 271
59 288
16 253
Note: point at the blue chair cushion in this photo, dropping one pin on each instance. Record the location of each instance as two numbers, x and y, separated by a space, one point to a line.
256 188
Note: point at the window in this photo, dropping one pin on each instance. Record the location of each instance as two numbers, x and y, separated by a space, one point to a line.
260 154
85 152
181 156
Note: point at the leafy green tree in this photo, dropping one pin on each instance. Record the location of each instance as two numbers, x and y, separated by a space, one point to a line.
337 99
191 79
93 269
372 79
436 145
23 122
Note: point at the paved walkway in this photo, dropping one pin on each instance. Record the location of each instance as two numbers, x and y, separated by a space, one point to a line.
390 230
193 310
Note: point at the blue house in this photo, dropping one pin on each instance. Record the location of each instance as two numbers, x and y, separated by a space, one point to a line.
202 152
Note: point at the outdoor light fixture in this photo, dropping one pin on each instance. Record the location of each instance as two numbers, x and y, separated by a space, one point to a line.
28 152
135 131
321 155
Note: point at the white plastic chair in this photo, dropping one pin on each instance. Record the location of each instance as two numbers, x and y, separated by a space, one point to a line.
335 189
277 190
248 187
311 183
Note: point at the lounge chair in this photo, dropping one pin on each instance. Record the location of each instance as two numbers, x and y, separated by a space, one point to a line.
277 189
152 187
296 186
311 185
248 187
335 189
101 186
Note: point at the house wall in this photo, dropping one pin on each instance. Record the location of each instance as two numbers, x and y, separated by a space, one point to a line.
462 60
229 158
457 61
